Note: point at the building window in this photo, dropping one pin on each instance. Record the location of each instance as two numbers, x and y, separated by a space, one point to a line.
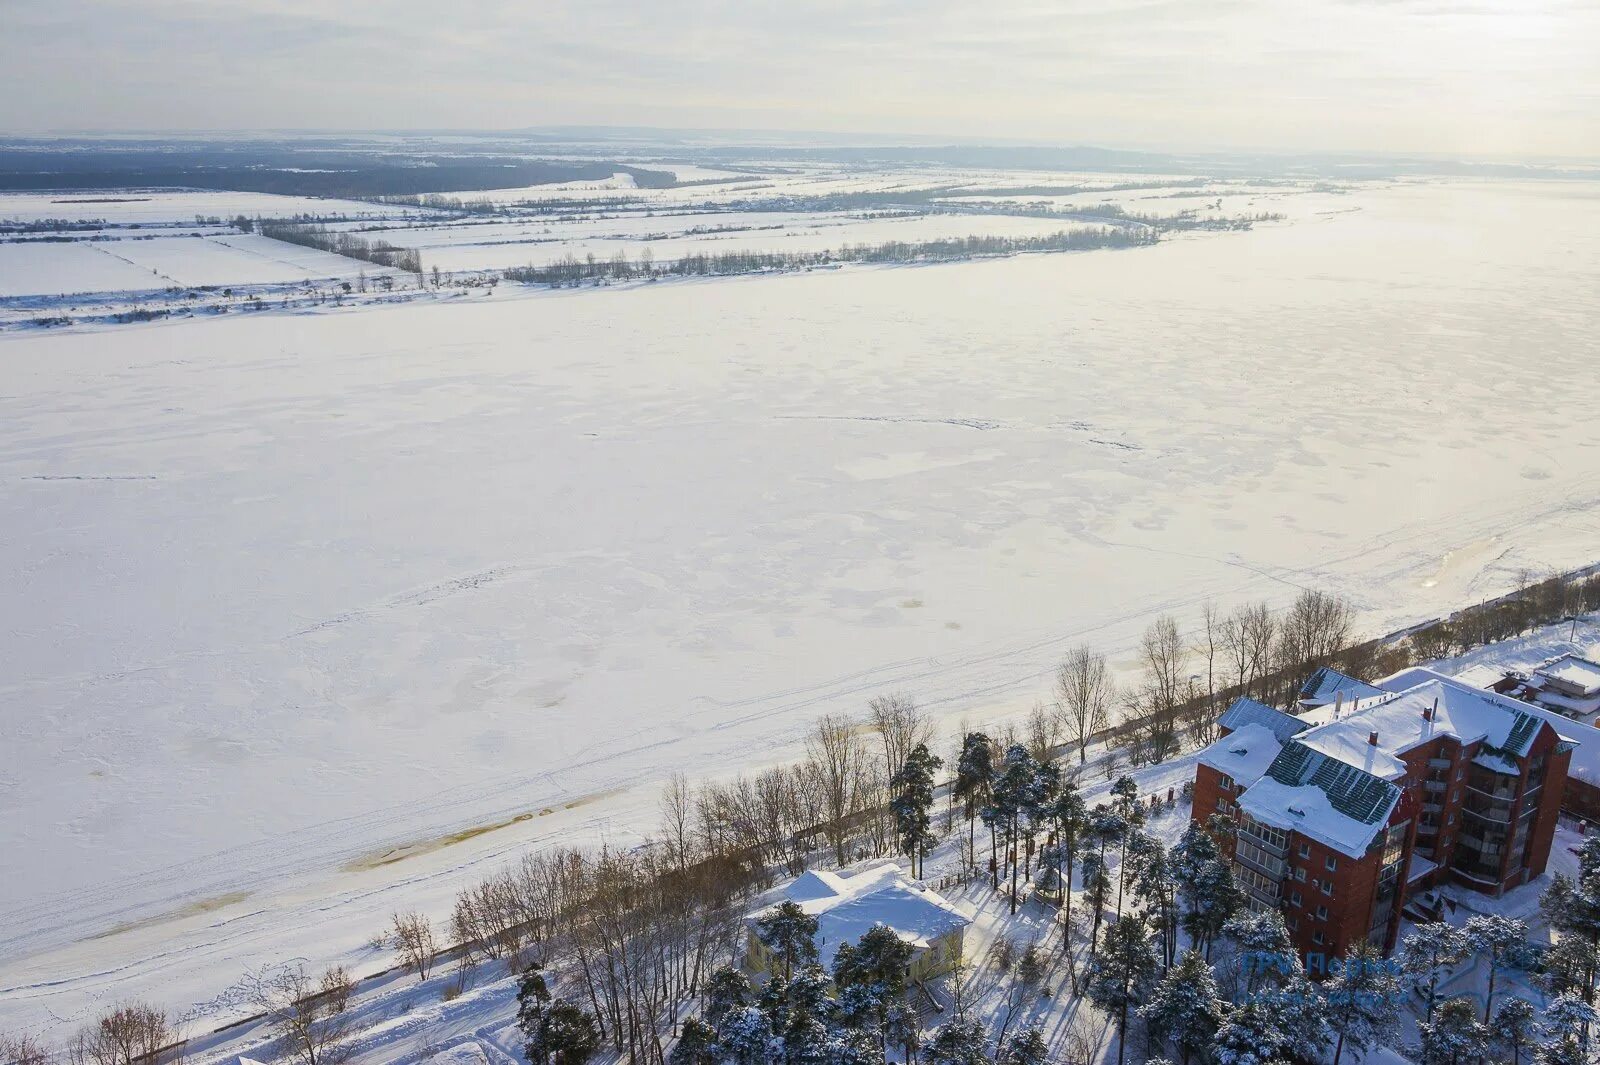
1318 938
1300 875
1327 887
1331 864
1305 850
1294 898
1322 913
1226 783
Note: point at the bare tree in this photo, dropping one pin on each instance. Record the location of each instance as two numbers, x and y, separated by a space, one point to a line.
900 725
1084 693
308 1015
1312 632
1044 732
1163 654
133 1032
22 1050
677 816
413 938
834 757
1209 646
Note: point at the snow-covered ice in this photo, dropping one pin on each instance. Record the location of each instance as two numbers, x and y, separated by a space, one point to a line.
313 617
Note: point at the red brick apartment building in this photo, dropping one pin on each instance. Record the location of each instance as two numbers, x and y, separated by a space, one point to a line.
1344 810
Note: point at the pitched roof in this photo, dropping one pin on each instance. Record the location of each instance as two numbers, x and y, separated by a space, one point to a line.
1247 711
1244 753
1322 798
847 906
1327 684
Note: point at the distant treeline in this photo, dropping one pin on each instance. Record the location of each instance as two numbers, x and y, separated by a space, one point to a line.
314 235
571 270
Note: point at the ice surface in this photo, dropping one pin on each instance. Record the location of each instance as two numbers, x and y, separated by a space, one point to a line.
313 617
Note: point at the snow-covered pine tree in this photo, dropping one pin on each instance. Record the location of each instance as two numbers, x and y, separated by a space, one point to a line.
1362 1001
1184 1009
790 933
1503 943
727 989
974 771
1251 1036
1564 1033
1026 1047
1096 893
1155 887
913 799
958 1043
1122 973
1428 954
1206 885
746 1038
696 1044
1454 1034
1266 954
1514 1030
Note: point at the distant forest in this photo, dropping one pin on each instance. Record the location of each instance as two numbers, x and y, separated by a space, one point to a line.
570 270
291 172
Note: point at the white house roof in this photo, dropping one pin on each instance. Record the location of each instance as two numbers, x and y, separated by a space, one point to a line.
1328 684
1247 711
847 906
1580 673
1244 753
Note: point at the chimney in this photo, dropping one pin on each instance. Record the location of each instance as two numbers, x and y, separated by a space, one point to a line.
1427 714
1338 704
1372 738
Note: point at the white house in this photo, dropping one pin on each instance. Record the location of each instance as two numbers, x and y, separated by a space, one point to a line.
847 905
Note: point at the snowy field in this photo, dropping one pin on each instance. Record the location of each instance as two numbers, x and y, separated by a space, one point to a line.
313 617
141 207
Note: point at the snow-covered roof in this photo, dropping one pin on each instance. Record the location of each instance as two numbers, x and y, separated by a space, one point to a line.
1247 711
1328 684
1579 674
1585 764
1419 867
1323 798
1243 754
847 906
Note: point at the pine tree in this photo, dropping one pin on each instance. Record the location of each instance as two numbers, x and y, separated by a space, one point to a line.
1012 796
696 1044
727 989
1026 1047
1251 1036
746 1038
1205 882
1155 887
1070 818
569 1035
958 1043
790 933
1125 803
1430 952
1572 907
1266 954
1564 1033
1503 941
533 997
879 960
1514 1029
1096 893
974 771
1453 1034
913 799
1122 973
1185 1008
1363 1001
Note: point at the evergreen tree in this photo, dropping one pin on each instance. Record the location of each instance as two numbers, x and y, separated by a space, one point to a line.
1363 1001
696 1044
1070 819
1251 1036
569 1034
1156 888
1266 954
1205 883
1096 892
746 1038
1503 942
1185 1008
858 1007
1026 1047
1564 1033
912 803
1572 907
958 1043
1428 954
974 771
1125 803
1121 974
727 990
879 960
1514 1028
790 933
1011 797
1453 1034
533 997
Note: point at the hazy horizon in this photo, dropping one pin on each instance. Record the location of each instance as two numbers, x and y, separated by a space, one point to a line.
1494 79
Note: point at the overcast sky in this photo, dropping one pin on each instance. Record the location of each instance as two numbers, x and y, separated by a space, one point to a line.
1516 78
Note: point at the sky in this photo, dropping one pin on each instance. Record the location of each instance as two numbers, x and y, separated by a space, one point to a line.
1472 78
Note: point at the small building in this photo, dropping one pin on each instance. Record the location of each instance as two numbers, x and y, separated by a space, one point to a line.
1569 683
1327 685
848 905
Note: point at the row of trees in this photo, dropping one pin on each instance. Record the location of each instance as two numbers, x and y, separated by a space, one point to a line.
318 235
571 270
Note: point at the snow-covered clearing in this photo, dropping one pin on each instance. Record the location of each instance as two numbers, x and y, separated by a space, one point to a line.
314 617
142 206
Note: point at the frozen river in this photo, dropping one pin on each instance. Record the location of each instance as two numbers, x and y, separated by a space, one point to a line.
288 599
